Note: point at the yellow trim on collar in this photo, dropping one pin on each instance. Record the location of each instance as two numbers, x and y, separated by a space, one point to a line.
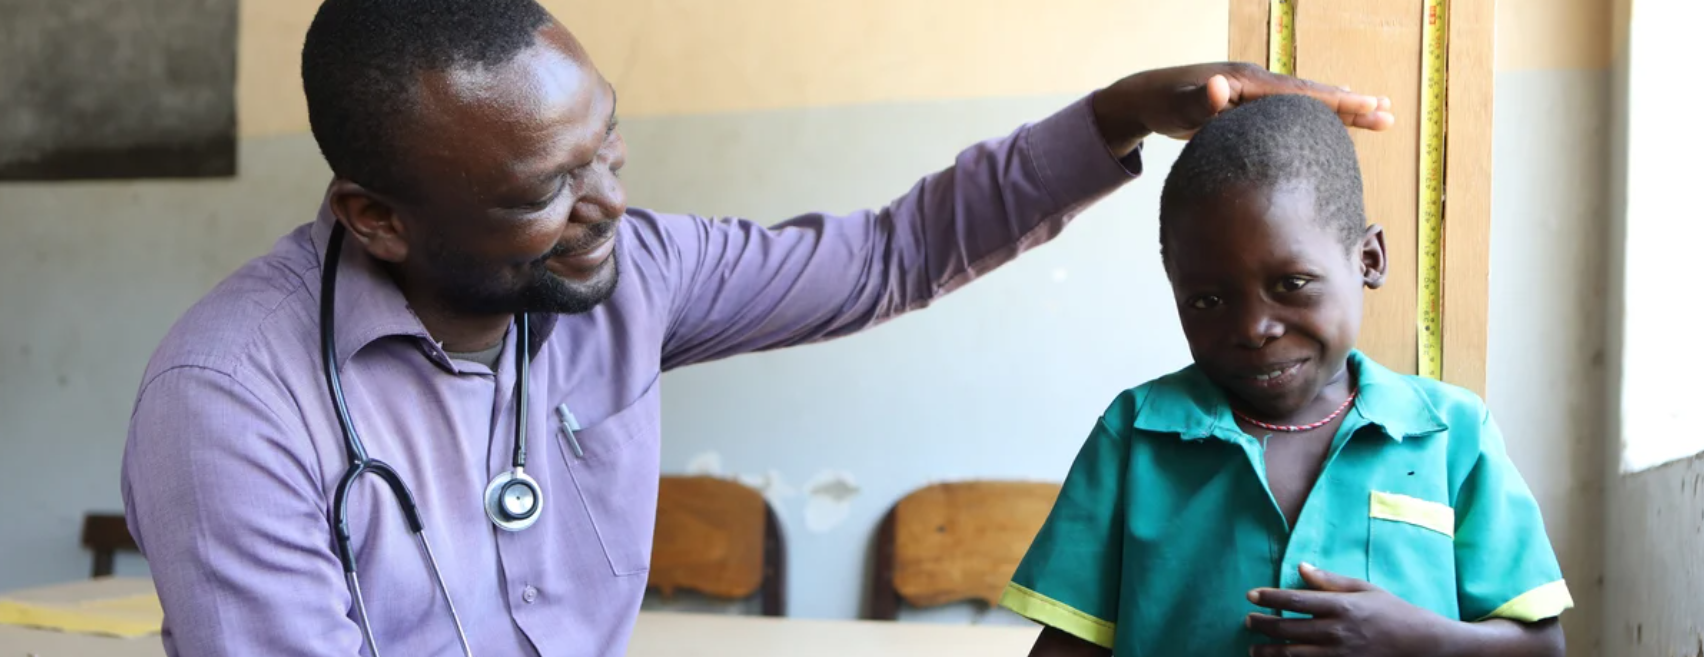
1538 604
1056 614
1414 511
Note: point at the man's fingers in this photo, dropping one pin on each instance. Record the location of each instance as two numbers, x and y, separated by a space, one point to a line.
1376 121
1337 98
1300 630
1357 110
1379 119
1218 94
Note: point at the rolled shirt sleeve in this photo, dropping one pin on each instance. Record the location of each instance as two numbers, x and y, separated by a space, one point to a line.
1070 577
1505 566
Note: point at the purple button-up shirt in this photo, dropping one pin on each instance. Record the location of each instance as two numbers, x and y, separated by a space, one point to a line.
234 448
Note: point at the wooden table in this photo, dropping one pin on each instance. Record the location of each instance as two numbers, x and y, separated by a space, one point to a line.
657 634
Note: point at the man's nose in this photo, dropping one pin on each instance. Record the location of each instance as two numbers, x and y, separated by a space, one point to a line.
606 199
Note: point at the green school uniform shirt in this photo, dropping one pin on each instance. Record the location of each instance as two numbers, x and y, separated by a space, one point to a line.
1165 521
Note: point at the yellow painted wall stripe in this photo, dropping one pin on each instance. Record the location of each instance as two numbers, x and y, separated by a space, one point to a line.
1415 511
672 57
1554 34
1056 614
1538 604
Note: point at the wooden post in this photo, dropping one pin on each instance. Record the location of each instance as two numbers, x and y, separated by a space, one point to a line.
1375 47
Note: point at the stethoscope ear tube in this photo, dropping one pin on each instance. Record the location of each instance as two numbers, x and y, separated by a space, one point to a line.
328 343
360 463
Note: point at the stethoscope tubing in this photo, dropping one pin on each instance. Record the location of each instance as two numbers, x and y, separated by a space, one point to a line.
360 463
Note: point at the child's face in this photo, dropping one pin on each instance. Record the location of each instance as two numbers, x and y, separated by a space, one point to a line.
1269 297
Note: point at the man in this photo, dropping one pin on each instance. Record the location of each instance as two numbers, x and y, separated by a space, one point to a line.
475 154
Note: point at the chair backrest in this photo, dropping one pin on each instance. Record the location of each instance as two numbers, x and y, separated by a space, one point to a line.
105 534
719 538
955 542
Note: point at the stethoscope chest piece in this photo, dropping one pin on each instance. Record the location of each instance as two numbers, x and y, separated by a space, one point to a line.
513 500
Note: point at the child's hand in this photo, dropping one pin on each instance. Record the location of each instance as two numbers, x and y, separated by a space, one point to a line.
1350 617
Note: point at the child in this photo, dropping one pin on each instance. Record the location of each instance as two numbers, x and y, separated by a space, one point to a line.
1286 495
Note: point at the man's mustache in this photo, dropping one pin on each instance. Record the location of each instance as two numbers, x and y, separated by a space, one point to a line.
594 235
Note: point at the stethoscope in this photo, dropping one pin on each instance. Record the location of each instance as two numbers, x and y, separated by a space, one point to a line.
512 499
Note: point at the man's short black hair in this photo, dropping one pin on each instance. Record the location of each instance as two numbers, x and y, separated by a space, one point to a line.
1268 142
362 60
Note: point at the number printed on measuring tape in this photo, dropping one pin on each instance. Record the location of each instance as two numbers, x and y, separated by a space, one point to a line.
1281 38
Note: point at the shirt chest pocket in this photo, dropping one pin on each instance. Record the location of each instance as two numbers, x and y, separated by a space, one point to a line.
1411 550
615 472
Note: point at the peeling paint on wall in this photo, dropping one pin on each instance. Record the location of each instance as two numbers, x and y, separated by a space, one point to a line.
771 485
830 500
705 464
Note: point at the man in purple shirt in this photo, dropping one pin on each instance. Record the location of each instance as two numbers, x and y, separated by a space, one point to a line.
475 151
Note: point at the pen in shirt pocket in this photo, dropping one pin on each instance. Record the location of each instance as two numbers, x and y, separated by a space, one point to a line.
569 426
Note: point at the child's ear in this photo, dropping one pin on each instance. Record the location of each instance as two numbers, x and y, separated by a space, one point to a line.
1372 257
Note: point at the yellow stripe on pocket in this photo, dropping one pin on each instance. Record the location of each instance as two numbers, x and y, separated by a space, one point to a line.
1414 511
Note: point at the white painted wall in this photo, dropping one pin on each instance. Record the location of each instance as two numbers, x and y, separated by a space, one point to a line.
1547 348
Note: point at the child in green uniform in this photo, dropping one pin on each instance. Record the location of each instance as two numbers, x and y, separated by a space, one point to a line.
1285 494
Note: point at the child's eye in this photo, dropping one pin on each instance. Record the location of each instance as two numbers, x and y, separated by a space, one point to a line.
1208 302
1292 283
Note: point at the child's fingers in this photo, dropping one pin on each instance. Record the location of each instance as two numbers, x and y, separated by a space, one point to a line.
1329 581
1299 630
1293 650
1312 603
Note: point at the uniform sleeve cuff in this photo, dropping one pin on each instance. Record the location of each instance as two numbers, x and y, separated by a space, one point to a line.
1546 601
1058 615
1072 156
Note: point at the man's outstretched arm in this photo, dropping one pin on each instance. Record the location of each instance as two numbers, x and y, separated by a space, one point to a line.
737 285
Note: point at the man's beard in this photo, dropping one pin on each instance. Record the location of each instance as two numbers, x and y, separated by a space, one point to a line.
469 288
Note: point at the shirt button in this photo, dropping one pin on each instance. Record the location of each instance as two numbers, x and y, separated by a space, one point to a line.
529 594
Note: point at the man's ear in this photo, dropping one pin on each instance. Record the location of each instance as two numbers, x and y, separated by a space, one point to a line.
371 219
1372 257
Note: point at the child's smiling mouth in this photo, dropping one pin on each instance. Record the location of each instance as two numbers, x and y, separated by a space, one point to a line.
1269 378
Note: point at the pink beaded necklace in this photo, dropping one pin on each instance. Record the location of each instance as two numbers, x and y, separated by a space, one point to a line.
1293 428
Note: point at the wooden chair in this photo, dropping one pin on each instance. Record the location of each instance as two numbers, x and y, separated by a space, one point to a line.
955 542
105 534
719 538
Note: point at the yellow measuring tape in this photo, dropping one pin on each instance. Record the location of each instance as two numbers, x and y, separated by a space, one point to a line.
1281 38
1434 66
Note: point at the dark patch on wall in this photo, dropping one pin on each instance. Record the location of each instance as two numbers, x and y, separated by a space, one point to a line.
105 89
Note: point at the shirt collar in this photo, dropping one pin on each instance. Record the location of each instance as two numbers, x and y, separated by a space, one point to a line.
369 305
1186 404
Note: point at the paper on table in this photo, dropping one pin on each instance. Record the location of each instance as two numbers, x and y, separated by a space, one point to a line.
127 617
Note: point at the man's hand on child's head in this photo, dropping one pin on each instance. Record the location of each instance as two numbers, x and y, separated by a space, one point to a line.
1177 101
1349 617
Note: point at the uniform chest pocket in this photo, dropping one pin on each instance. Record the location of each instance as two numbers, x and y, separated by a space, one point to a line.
616 474
1411 550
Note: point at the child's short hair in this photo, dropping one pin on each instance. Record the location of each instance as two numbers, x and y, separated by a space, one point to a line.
1267 142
